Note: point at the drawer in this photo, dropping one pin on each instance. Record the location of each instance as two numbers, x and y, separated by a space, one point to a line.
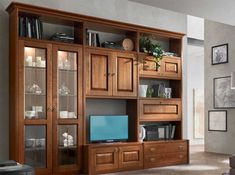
165 159
156 148
160 110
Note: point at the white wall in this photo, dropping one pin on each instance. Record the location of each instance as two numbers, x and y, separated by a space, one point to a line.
195 27
195 71
215 34
121 10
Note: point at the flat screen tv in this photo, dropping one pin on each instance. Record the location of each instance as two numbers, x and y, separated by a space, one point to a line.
108 128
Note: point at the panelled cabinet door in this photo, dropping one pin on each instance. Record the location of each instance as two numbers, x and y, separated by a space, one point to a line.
104 159
98 73
67 107
35 102
147 66
130 157
171 67
124 74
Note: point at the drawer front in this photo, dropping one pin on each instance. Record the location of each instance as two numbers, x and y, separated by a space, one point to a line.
160 110
165 159
170 147
172 67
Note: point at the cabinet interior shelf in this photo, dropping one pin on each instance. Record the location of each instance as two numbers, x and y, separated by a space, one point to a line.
35 68
68 70
42 148
34 94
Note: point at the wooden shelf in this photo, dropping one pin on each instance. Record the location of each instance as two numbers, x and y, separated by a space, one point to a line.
49 41
109 49
156 98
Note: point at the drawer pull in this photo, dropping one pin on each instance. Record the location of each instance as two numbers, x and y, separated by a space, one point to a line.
152 149
152 160
181 147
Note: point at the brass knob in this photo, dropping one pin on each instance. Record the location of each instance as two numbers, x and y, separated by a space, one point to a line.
152 160
181 156
152 149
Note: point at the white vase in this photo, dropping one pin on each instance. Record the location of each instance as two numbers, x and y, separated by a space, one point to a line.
142 133
143 90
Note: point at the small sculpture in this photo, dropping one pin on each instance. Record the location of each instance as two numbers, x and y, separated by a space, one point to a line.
68 139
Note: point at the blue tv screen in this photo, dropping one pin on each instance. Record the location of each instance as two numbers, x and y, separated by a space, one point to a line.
107 128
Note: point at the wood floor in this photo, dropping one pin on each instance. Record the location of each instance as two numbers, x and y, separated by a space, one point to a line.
201 163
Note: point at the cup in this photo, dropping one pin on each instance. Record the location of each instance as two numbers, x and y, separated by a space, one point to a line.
71 115
40 142
30 114
30 143
63 114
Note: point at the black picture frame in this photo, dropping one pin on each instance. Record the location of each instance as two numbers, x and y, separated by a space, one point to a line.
224 93
225 120
223 52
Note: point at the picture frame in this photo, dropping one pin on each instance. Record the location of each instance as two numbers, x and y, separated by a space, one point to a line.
161 132
219 54
217 120
222 93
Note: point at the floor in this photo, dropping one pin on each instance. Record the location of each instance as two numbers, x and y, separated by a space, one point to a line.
201 163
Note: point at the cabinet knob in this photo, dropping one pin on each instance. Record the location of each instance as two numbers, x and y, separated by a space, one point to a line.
181 156
108 74
152 149
152 160
181 147
113 74
116 150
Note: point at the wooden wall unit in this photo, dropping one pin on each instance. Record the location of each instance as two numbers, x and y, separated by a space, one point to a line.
50 82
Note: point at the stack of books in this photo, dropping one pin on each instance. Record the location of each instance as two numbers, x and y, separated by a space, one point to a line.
92 39
30 27
160 132
62 37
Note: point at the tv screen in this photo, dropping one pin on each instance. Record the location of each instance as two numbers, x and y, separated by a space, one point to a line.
107 128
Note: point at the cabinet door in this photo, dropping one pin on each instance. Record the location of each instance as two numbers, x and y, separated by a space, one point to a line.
160 110
35 103
67 107
124 74
98 73
147 67
171 67
104 159
130 157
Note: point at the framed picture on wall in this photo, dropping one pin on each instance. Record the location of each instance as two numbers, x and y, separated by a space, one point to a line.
224 96
217 120
219 54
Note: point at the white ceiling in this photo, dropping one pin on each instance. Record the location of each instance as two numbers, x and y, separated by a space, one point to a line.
216 10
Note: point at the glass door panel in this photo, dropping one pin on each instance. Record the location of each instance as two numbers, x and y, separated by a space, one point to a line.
67 84
67 149
35 146
35 83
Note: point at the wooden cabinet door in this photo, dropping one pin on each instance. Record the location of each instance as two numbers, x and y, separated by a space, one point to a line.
171 67
104 159
124 74
98 73
67 108
34 104
130 157
147 67
160 110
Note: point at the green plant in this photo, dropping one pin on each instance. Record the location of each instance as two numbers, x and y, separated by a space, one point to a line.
155 50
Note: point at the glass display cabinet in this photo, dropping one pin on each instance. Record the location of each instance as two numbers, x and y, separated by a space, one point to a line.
51 106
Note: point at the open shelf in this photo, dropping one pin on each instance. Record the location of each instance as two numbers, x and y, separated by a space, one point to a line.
43 27
98 35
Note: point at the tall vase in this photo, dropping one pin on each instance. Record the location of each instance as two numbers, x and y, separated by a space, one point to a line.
143 90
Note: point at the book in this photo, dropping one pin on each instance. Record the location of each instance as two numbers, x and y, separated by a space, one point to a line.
173 132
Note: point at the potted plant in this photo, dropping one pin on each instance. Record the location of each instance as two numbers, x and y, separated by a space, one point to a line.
155 50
